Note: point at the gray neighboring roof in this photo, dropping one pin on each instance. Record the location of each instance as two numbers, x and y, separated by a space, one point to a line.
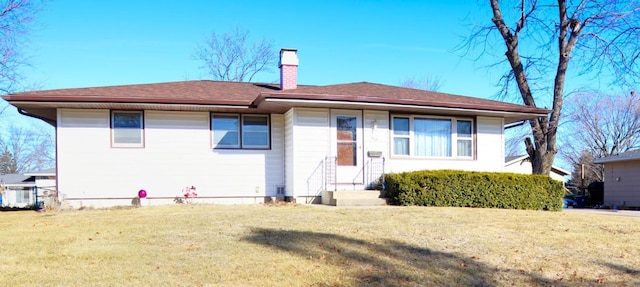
625 156
44 172
509 160
15 180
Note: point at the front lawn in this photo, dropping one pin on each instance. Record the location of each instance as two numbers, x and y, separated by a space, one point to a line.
212 245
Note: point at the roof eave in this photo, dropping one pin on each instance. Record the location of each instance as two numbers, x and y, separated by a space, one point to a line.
46 110
19 184
101 99
67 104
560 170
382 100
293 99
520 158
39 174
605 160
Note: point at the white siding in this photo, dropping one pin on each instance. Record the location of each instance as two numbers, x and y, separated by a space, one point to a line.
308 137
13 196
83 141
46 183
289 152
177 153
311 144
521 166
376 139
490 145
376 132
489 152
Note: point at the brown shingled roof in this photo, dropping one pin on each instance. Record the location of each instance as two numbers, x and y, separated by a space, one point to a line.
251 95
188 92
385 94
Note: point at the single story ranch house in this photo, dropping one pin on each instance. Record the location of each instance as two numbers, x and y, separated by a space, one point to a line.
237 142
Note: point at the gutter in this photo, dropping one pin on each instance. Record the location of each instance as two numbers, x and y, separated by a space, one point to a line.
371 100
25 113
513 125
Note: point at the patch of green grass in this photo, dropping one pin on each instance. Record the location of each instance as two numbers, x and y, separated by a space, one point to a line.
211 245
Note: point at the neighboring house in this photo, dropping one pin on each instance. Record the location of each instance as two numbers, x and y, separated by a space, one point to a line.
23 190
522 164
621 180
246 142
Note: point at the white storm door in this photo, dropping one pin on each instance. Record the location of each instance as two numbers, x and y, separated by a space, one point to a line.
347 145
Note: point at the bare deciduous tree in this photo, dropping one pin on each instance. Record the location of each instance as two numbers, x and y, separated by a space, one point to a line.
514 135
15 19
427 83
23 150
585 171
542 37
231 56
602 125
3 107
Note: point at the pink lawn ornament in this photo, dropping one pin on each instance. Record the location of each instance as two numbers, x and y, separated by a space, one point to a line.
142 193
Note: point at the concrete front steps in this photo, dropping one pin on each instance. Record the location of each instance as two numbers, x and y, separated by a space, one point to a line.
353 198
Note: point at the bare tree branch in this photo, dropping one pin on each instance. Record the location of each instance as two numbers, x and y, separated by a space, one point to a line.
15 19
602 125
427 83
514 139
597 36
3 107
230 56
24 150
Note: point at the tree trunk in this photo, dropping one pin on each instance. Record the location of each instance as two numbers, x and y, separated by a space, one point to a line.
541 159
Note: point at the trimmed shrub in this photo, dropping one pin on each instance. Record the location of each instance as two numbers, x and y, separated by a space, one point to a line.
474 189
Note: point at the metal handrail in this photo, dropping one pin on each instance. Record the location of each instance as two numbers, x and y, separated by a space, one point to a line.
335 173
373 171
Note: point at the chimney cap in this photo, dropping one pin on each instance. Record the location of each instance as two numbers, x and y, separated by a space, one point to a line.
288 49
288 57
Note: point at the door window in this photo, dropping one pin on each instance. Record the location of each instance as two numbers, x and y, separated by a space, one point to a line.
346 140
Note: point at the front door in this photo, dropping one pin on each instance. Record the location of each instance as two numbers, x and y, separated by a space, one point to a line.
347 145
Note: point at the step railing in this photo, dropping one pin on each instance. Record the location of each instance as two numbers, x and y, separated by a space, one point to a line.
331 172
372 172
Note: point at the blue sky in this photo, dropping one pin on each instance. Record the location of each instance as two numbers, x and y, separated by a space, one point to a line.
98 43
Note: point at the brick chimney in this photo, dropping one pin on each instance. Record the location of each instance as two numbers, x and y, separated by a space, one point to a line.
288 69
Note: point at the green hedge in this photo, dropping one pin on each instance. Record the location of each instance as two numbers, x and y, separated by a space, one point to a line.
474 189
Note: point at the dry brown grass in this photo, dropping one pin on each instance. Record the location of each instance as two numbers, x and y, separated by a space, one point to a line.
210 245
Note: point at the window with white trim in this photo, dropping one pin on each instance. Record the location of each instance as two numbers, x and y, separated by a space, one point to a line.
401 136
23 195
464 134
420 136
127 128
226 131
234 131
